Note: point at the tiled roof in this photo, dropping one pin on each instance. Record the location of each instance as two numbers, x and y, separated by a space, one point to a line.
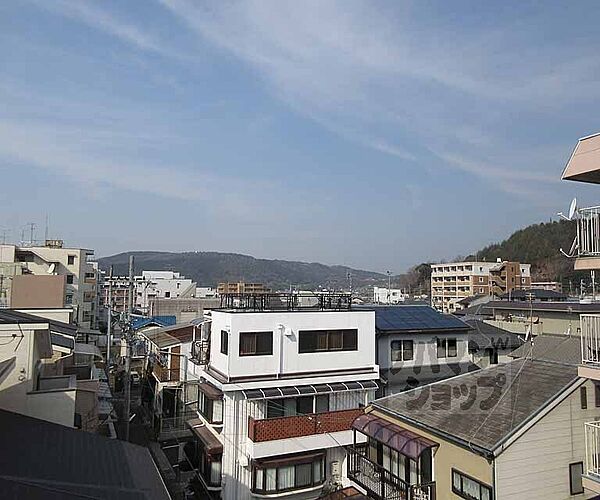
548 347
484 335
484 408
60 462
404 379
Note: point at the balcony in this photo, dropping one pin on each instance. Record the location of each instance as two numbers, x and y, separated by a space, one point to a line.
590 346
380 483
314 301
587 240
165 375
591 472
270 429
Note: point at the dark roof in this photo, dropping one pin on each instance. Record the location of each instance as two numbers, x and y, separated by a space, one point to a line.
61 334
347 493
390 319
523 388
60 462
171 335
474 311
484 335
574 307
9 316
548 347
407 378
537 293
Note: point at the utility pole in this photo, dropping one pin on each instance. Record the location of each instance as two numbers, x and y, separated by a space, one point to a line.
389 296
128 340
109 327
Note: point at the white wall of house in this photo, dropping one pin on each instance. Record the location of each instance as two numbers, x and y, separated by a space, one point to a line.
286 360
424 350
383 295
16 389
536 466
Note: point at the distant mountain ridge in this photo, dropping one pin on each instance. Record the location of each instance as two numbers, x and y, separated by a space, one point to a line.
210 268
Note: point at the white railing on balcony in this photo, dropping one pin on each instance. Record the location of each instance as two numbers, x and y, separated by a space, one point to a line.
590 338
592 449
588 232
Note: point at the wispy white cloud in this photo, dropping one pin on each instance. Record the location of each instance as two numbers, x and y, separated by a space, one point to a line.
371 75
96 17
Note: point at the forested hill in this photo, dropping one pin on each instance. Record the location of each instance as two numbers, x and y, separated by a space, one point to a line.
539 245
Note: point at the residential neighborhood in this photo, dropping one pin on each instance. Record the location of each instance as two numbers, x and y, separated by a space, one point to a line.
283 250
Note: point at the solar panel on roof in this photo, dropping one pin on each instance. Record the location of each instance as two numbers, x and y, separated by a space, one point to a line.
400 318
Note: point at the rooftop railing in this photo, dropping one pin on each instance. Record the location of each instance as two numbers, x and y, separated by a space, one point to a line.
326 301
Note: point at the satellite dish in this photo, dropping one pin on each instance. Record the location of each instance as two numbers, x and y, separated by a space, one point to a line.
51 268
572 208
527 333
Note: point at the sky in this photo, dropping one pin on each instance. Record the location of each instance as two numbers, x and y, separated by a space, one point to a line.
372 134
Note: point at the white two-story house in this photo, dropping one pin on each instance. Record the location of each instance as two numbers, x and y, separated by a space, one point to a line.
281 382
417 345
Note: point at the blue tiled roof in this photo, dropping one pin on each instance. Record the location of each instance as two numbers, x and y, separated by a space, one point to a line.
162 321
413 318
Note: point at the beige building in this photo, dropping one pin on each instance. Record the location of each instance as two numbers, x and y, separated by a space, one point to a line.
511 431
584 166
242 287
53 259
452 282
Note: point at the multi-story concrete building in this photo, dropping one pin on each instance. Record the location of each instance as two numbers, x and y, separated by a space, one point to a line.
54 259
451 282
241 287
382 295
148 286
584 166
280 383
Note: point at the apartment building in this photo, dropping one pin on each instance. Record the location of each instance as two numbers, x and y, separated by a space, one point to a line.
451 282
477 436
584 166
280 382
73 265
382 295
241 287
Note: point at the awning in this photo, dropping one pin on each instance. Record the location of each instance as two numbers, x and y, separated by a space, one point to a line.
88 349
210 391
211 443
402 440
307 390
59 340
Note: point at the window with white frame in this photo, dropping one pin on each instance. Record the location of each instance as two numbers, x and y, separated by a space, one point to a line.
294 473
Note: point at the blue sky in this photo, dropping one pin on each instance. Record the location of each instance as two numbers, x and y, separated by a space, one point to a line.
371 134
